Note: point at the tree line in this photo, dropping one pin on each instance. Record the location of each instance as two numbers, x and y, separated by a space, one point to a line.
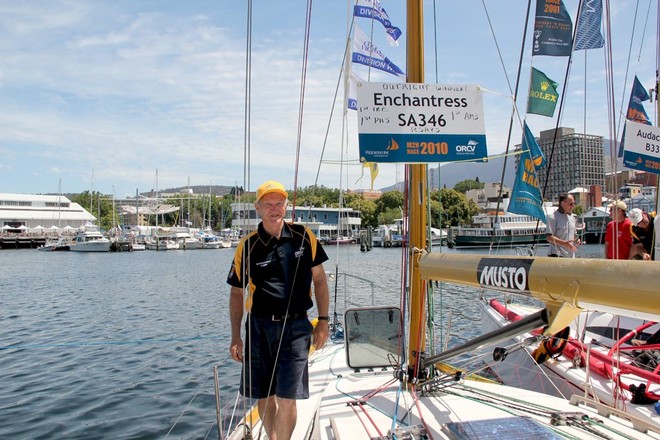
448 207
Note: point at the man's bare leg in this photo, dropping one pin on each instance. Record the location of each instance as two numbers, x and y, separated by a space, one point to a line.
278 416
287 413
267 412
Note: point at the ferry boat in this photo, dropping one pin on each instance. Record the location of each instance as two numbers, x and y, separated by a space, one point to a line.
497 229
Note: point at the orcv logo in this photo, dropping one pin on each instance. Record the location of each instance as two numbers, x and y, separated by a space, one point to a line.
469 148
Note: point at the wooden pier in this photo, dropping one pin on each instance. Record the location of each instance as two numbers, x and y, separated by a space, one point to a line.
22 241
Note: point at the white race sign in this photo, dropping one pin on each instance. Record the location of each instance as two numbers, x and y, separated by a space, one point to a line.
411 122
641 147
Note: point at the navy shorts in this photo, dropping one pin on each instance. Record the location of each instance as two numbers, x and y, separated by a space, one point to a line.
267 374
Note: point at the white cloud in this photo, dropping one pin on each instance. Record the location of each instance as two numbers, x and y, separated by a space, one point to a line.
126 88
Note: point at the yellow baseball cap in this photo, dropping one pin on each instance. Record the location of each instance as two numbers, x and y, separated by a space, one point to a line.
271 186
619 205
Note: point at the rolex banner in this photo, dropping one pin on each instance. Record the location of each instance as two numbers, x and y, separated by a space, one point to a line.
542 94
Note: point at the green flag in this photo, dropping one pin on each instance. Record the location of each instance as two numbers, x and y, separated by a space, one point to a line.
542 94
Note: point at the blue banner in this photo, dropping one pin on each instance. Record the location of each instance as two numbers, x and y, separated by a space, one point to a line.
641 162
526 194
372 9
421 148
351 100
365 52
636 111
588 35
553 29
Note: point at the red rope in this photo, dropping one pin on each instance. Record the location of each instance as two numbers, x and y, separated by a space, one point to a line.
421 415
364 425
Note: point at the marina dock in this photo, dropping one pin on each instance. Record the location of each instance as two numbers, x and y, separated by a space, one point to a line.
22 241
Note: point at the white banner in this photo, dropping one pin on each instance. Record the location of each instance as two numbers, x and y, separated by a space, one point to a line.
641 150
410 122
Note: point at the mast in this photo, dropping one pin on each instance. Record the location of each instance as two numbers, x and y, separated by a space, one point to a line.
417 196
137 208
210 185
190 191
59 205
114 220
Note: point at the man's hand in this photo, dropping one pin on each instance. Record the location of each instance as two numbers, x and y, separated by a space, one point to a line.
236 350
320 334
570 246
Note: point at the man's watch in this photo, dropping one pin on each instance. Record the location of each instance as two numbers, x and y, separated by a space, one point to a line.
323 318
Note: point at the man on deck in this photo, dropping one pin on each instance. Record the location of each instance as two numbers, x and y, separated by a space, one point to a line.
276 266
561 229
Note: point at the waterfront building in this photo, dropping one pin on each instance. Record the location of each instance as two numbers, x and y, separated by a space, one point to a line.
486 198
324 222
27 212
577 161
595 223
641 201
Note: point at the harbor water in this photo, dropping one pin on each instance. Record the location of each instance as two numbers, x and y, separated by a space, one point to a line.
122 345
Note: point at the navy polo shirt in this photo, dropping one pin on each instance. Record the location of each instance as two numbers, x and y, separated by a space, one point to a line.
274 269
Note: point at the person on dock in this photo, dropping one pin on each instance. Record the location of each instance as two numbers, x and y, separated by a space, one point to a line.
642 235
277 265
618 238
561 229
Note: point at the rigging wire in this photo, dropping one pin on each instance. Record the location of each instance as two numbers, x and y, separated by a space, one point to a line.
308 18
301 101
639 57
187 406
569 64
514 94
246 186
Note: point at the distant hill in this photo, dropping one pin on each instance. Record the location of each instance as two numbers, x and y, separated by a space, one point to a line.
491 171
452 173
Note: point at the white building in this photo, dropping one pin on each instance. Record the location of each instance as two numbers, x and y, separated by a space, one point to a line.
35 211
487 197
324 222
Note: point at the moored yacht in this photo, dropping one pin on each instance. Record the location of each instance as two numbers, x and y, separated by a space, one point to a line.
90 239
161 243
184 239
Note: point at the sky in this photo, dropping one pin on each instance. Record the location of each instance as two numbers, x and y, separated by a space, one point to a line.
123 96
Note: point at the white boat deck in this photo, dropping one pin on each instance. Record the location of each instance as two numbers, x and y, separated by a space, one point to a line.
560 377
345 404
